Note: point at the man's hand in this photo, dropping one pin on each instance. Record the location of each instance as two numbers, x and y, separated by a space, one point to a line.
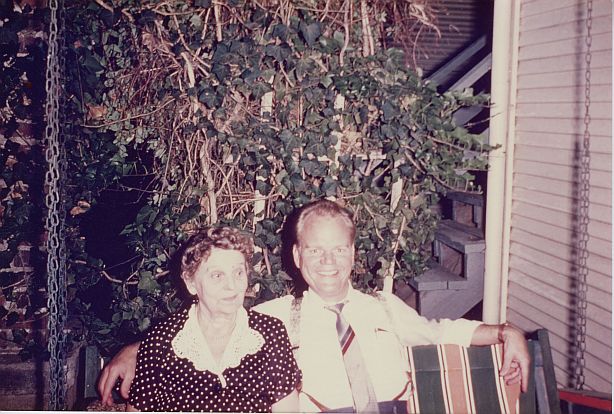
516 358
123 365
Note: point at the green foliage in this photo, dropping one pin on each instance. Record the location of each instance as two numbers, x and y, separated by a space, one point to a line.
22 97
180 117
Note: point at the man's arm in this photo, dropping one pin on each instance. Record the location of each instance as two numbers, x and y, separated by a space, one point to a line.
516 359
288 404
123 365
414 329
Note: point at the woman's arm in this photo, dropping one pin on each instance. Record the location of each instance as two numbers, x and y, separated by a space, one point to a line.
130 407
283 372
288 404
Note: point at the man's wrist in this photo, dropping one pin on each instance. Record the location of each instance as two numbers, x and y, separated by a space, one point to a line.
501 332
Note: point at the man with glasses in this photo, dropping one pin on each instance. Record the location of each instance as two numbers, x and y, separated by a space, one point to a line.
349 345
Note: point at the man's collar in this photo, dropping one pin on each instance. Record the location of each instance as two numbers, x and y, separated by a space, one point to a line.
312 297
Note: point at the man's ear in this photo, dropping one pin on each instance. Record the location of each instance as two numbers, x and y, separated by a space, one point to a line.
296 256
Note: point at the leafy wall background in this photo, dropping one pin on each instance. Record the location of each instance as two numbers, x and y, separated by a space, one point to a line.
198 113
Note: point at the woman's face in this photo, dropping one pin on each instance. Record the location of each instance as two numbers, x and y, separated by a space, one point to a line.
220 282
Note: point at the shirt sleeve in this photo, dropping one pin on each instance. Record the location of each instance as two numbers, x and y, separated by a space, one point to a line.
414 329
147 384
283 372
278 308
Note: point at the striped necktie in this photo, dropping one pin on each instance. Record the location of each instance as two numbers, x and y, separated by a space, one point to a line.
360 383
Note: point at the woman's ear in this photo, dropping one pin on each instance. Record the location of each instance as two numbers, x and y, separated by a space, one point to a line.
189 285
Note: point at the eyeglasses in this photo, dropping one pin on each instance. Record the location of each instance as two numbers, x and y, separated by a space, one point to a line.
321 252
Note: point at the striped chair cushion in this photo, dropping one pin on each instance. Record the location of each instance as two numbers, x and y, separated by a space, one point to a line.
455 379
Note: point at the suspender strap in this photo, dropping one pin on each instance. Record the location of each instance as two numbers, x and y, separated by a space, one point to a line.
294 335
321 407
408 389
295 326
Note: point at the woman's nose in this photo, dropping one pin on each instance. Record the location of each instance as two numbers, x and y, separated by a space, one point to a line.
230 282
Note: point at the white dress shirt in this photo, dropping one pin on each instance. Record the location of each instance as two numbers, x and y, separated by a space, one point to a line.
380 334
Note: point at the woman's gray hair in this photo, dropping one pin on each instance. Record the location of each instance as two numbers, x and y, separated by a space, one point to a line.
199 246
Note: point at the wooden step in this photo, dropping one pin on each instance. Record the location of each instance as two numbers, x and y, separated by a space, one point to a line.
451 304
437 278
474 199
461 237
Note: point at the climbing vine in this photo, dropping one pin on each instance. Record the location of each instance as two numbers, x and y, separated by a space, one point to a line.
205 113
22 97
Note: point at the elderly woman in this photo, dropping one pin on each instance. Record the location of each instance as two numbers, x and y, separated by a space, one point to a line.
215 355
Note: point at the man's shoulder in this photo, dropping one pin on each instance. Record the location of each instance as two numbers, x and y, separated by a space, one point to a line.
379 297
278 308
384 305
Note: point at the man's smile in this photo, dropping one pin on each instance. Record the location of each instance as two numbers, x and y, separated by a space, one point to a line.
328 272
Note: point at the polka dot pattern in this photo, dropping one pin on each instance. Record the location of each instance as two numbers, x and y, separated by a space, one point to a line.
166 382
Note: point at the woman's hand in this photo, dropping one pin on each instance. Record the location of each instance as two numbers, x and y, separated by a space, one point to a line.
123 365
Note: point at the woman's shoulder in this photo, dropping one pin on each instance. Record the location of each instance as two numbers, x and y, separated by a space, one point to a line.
267 325
166 329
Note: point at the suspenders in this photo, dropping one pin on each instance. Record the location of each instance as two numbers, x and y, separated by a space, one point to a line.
294 329
294 335
295 325
295 319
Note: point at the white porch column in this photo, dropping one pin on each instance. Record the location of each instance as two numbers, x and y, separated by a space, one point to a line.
498 200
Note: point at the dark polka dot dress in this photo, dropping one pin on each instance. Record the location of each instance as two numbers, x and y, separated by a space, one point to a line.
167 382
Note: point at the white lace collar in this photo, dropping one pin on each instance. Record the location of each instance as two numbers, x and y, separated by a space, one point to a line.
190 343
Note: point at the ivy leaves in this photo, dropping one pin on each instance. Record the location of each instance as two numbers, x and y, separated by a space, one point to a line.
310 32
260 110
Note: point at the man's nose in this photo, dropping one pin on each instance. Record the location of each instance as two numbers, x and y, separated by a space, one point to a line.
328 257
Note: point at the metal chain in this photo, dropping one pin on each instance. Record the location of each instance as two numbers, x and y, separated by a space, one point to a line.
583 217
56 262
65 127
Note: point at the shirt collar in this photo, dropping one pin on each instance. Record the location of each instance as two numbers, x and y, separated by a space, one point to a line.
313 299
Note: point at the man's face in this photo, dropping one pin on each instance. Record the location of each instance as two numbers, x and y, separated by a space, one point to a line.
325 255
